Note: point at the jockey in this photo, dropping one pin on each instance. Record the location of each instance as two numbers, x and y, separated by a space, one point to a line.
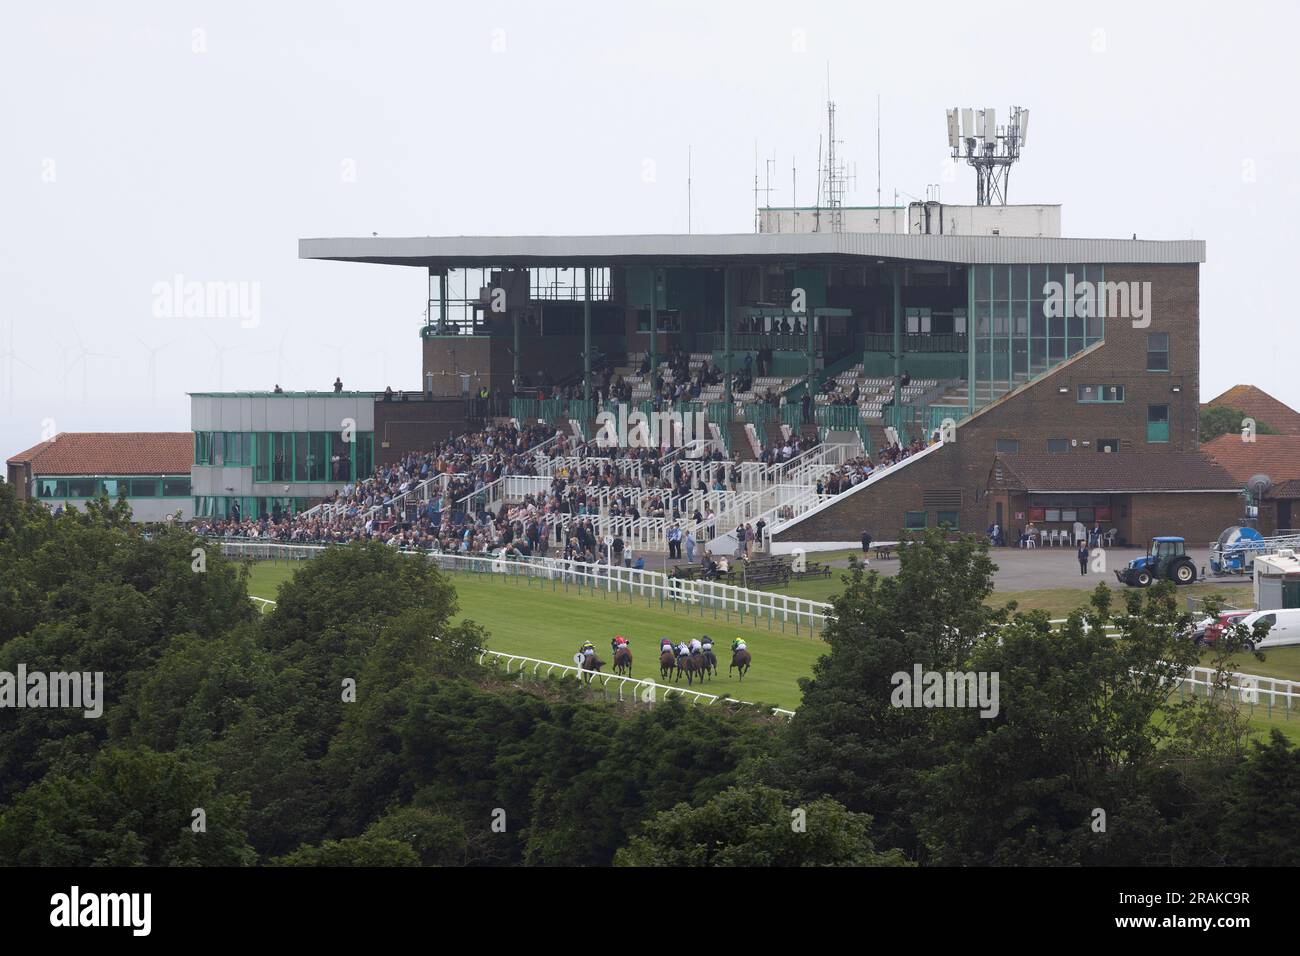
706 643
665 645
619 641
696 646
588 649
683 649
737 644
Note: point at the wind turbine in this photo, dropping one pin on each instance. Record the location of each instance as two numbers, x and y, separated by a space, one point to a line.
279 354
220 351
79 358
11 359
153 351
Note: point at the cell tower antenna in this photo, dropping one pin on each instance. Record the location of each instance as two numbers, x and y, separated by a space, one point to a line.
974 135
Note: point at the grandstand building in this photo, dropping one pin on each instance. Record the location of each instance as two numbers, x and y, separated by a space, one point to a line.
1062 373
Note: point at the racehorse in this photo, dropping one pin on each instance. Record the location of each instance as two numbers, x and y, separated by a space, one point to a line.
739 660
667 663
690 665
592 664
623 661
710 662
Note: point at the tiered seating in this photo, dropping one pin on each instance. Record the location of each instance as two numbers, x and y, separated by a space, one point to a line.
876 392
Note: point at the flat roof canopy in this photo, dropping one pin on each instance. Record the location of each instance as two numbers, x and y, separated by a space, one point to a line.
455 252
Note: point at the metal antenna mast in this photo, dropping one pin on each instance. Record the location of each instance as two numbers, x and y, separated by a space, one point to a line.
836 178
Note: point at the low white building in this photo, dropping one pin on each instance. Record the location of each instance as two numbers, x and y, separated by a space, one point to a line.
1277 581
150 469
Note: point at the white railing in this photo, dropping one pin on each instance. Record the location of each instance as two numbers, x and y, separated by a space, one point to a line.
1251 690
685 594
639 690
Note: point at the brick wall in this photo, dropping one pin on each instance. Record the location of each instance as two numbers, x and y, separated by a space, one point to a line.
1039 411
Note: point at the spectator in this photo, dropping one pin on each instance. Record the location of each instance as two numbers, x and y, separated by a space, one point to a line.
338 384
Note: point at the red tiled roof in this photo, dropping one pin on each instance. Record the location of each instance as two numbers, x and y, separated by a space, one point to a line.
1116 473
111 453
1277 456
1261 406
1286 489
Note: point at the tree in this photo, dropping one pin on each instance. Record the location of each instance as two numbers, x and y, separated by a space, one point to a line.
1261 814
354 851
131 808
848 742
756 826
1216 420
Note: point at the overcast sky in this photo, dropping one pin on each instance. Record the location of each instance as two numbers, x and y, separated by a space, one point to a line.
148 140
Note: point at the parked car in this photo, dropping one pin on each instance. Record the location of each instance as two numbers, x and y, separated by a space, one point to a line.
1210 629
1284 628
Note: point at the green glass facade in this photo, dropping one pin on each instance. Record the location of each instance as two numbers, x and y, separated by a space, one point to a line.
1013 337
289 456
77 487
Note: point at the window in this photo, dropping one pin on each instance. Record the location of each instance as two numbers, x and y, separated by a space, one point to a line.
1157 423
916 520
51 488
142 487
950 519
176 487
111 486
203 448
1158 352
1101 393
1108 445
1058 446
83 487
1008 446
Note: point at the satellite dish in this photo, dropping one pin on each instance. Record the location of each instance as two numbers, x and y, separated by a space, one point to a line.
1259 485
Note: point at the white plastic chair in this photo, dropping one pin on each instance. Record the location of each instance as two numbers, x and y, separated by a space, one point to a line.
1043 536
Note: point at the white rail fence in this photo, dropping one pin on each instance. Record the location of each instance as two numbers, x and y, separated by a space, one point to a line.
756 608
1252 691
639 690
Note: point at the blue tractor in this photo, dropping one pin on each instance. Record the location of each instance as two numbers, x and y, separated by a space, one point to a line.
1166 557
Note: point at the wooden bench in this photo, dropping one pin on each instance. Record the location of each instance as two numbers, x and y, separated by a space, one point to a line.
813 569
765 570
695 572
884 549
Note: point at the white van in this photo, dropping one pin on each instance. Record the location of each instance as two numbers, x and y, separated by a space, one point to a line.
1284 630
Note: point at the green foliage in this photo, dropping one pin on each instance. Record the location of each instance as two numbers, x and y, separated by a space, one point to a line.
131 808
354 851
1261 812
1086 723
756 826
1219 420
431 759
